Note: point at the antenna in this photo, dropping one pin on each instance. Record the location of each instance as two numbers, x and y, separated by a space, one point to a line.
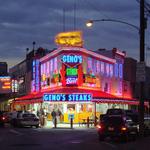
64 21
74 15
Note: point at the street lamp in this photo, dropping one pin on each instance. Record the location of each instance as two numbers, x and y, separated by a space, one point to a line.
141 31
89 23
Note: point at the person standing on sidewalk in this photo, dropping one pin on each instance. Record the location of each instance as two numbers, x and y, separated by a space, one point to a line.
53 114
58 115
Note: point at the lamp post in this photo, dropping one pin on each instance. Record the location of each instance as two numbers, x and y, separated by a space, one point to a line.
89 23
141 31
142 60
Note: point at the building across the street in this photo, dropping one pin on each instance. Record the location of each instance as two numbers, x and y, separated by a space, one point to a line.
80 83
5 86
3 69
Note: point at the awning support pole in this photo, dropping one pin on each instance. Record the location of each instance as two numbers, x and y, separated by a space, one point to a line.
95 120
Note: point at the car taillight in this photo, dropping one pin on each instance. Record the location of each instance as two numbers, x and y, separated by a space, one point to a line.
3 118
123 128
99 127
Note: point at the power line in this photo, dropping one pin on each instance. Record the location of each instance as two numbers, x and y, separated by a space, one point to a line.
97 8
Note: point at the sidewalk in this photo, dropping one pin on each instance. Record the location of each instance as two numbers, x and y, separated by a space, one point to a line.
49 124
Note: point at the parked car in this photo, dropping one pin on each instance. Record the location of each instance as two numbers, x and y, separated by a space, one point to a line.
117 126
3 118
26 119
146 125
134 115
116 111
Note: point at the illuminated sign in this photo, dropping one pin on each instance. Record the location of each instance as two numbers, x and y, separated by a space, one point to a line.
72 59
14 84
56 78
73 38
71 80
71 76
90 79
71 71
35 76
5 84
79 97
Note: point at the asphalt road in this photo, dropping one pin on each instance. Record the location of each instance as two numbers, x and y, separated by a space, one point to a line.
62 139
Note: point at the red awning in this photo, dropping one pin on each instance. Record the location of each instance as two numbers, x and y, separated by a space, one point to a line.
71 90
98 96
31 101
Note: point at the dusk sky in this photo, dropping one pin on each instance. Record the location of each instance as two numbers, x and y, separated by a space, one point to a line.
25 21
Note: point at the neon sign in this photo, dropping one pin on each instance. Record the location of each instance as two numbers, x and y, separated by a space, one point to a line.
71 80
72 59
5 84
71 71
89 79
80 97
35 76
56 78
14 84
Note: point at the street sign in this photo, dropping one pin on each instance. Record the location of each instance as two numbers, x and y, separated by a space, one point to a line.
140 72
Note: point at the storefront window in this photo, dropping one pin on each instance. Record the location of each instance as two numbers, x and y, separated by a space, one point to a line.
89 107
71 107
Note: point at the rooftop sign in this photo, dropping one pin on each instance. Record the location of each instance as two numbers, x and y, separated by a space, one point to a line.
69 39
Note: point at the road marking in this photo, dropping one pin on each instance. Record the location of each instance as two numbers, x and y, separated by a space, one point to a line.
75 142
15 132
110 145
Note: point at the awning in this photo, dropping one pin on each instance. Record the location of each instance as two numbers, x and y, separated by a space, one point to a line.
98 96
119 101
24 102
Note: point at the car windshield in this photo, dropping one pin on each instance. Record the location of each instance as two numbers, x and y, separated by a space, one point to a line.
115 111
114 120
28 115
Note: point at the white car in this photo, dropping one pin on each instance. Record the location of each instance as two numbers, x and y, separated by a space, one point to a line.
27 119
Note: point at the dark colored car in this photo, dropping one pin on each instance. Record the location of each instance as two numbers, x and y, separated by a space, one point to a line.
117 126
116 111
146 125
2 118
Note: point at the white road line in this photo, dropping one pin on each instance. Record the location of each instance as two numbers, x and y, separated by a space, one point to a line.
15 132
110 145
75 142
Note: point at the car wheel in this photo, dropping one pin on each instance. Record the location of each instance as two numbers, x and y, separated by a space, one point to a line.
37 126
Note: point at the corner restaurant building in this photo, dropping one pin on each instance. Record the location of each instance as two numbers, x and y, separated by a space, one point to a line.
79 82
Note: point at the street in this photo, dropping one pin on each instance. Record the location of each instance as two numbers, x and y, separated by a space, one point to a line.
64 139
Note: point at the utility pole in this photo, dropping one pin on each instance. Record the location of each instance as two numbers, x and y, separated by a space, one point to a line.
142 60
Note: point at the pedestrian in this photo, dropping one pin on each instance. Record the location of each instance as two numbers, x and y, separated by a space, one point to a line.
53 114
40 114
58 115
